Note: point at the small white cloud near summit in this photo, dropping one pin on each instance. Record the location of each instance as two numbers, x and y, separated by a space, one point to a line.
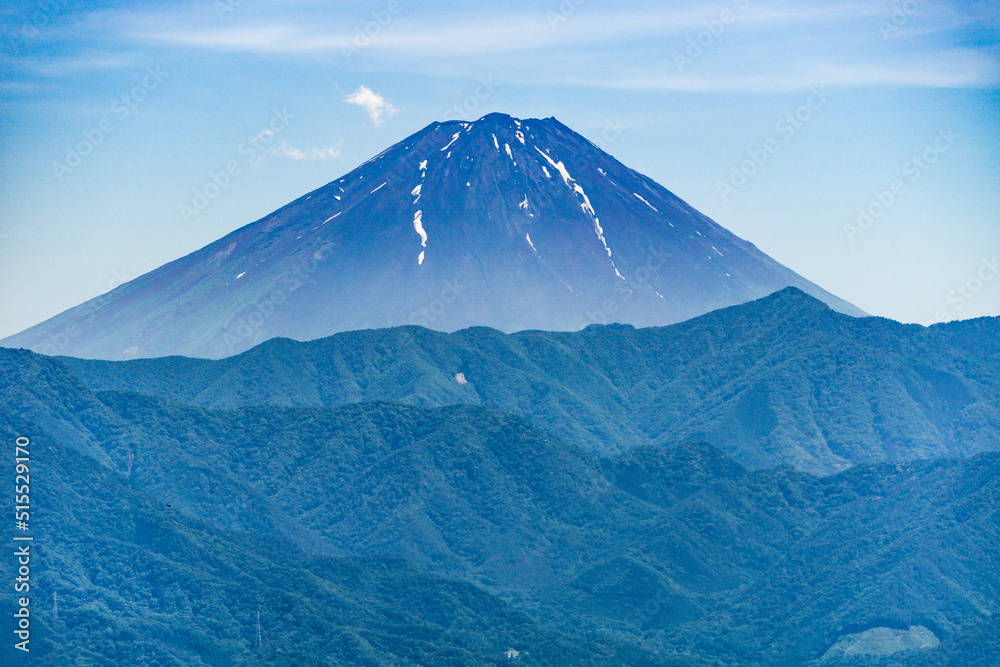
308 154
376 105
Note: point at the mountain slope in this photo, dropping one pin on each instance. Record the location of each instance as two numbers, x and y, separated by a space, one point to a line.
872 547
467 491
499 222
678 550
140 583
783 380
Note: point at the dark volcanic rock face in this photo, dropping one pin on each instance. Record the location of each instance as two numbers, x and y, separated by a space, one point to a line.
506 223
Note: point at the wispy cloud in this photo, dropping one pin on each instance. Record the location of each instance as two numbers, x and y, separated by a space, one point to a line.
284 150
477 35
374 104
773 46
947 69
21 87
765 45
70 66
267 39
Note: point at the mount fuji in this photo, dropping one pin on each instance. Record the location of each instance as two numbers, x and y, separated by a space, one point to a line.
506 223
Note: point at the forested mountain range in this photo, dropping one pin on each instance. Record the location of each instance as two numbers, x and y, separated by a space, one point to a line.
402 533
783 380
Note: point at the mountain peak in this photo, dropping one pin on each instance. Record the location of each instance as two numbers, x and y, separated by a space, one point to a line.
500 222
795 297
499 119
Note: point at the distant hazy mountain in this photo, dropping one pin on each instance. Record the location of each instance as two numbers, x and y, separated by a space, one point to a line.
782 380
499 222
680 551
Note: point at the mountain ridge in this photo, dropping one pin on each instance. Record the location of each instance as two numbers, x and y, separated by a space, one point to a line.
780 380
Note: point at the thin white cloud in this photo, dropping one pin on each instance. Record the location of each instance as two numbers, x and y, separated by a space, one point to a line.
477 35
768 45
945 69
266 133
21 87
70 66
272 38
284 150
374 104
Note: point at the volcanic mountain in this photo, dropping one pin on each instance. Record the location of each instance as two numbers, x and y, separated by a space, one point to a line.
507 223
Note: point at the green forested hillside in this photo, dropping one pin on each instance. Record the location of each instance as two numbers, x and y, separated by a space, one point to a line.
120 578
681 551
783 380
880 546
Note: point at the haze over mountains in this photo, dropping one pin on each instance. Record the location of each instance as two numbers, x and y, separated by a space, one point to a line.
781 380
500 222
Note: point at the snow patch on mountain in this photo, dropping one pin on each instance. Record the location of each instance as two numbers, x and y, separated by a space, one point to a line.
418 225
453 140
646 202
558 166
585 205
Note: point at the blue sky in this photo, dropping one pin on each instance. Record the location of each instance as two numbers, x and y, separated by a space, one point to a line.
856 142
